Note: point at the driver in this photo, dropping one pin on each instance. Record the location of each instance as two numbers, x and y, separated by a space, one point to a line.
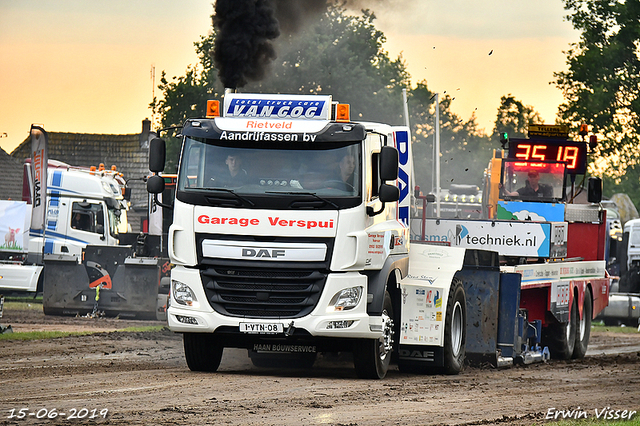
235 174
347 166
532 188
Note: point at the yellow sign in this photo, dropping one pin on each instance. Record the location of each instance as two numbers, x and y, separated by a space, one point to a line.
549 130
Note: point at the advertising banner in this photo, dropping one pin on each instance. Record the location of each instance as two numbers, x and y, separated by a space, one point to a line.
509 238
39 162
13 226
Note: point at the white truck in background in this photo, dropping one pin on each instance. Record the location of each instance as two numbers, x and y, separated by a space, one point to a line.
624 300
84 207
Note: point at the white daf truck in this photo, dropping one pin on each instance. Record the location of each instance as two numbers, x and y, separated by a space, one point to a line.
290 237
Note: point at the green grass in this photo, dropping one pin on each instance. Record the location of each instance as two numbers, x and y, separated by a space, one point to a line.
599 326
40 335
23 306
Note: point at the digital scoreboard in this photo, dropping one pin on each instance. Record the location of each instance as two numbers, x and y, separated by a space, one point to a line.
573 153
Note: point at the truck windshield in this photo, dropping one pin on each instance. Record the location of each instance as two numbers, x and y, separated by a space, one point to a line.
324 170
527 181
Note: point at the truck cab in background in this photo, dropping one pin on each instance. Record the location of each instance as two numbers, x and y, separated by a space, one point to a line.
84 208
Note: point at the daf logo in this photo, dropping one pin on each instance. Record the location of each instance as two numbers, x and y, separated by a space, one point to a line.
272 254
426 355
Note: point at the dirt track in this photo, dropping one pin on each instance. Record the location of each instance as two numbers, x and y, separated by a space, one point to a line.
141 378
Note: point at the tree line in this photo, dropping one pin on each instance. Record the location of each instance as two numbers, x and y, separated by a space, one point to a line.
343 55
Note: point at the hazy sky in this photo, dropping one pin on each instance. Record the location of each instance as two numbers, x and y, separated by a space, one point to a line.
84 66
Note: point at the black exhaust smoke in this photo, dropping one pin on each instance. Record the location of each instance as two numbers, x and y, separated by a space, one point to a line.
246 30
243 47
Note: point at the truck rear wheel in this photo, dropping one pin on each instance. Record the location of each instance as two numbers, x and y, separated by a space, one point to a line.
561 337
455 331
583 330
371 357
203 352
454 338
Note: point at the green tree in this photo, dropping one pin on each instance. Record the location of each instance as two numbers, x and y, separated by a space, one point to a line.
602 84
339 54
464 149
514 118
186 97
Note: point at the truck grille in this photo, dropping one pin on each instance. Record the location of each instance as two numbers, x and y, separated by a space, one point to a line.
269 293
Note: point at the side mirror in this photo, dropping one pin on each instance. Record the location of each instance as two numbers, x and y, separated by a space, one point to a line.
127 194
389 193
155 184
388 163
157 152
594 191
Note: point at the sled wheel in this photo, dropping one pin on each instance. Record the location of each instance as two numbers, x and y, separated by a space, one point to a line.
203 352
371 357
583 331
561 337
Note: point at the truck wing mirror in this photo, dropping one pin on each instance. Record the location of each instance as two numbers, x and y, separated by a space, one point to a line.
388 194
157 152
388 163
155 184
100 230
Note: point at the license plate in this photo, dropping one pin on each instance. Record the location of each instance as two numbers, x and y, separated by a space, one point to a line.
261 328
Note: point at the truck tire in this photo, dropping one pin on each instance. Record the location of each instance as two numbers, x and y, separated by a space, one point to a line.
583 328
561 337
203 352
454 339
455 330
371 357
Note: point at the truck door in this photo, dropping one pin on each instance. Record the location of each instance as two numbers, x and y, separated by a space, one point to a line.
87 225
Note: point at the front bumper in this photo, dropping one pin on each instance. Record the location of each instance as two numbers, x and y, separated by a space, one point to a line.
320 323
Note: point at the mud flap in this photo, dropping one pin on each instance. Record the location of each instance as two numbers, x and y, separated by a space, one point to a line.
135 290
125 286
481 287
66 286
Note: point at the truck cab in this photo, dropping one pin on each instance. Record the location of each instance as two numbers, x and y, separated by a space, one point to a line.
83 208
288 232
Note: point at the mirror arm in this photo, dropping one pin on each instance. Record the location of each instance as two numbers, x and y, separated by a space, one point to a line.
161 204
372 213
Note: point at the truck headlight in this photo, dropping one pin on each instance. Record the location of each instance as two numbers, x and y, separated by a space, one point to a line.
183 294
345 299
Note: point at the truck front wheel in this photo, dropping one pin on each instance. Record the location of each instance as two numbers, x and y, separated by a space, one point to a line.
371 357
583 330
203 352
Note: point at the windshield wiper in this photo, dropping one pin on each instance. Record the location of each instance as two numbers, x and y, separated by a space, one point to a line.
313 194
230 191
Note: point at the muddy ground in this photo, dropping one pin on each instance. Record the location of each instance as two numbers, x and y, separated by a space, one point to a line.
142 378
